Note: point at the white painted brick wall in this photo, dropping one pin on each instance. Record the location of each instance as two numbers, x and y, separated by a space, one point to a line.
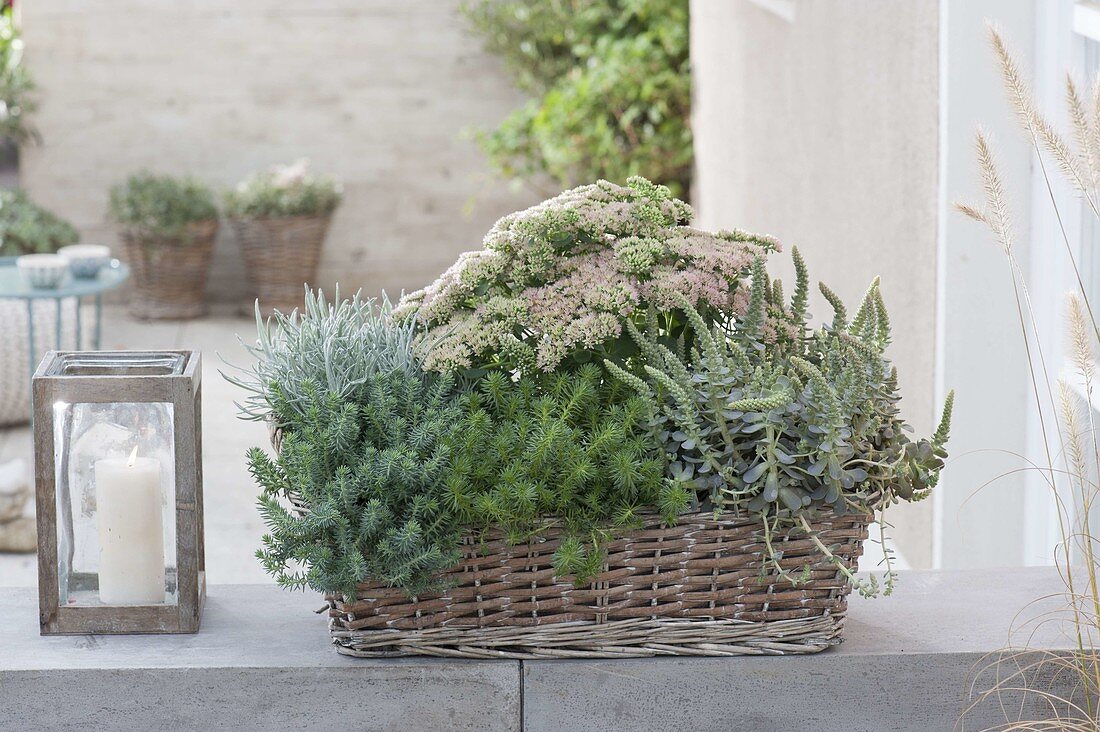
377 92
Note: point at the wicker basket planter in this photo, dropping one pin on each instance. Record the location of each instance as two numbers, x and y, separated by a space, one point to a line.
522 390
170 272
698 588
281 255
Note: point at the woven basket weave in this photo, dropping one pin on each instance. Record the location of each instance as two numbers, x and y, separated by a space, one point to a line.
700 588
280 256
170 272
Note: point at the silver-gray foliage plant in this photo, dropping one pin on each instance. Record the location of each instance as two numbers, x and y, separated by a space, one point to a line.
334 347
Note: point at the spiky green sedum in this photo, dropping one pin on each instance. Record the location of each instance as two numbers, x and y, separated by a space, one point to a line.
362 430
555 284
809 422
571 448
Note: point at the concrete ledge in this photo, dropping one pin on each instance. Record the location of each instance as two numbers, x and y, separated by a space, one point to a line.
262 661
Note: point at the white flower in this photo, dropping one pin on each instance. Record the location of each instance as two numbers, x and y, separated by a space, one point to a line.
285 176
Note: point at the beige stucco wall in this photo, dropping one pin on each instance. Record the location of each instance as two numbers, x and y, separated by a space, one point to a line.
824 132
373 91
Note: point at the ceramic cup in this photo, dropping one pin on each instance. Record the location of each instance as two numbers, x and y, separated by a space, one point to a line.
42 271
85 260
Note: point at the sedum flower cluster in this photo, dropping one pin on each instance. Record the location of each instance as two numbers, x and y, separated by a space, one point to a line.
555 284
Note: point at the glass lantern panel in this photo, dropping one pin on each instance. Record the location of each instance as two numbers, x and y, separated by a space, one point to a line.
116 495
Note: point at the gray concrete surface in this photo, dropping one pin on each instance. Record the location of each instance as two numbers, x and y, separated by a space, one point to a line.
906 664
262 661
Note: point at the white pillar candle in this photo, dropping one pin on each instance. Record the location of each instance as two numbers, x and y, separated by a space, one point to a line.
131 530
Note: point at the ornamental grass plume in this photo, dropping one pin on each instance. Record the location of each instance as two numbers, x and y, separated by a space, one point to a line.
555 284
1017 679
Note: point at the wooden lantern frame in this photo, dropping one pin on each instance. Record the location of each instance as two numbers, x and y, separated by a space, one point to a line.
168 376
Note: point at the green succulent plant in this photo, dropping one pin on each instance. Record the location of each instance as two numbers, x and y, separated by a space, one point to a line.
809 422
27 228
554 284
161 206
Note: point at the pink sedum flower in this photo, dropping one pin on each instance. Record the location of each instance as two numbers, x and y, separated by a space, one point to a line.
561 277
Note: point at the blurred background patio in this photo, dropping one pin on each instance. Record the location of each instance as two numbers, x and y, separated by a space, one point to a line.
841 126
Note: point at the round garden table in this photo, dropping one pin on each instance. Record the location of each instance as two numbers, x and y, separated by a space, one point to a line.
12 286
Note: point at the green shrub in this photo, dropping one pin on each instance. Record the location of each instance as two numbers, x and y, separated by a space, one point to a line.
27 228
283 191
372 473
160 205
611 84
362 429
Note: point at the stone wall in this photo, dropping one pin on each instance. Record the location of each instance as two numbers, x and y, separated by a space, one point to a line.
378 93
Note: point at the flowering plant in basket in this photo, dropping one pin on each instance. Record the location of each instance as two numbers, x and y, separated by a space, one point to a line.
280 218
597 375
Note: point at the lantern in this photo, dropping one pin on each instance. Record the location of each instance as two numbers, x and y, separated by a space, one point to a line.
118 485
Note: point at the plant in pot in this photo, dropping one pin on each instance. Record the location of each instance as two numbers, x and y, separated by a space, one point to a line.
27 228
605 433
280 218
168 226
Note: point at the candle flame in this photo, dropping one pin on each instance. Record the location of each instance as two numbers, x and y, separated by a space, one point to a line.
133 457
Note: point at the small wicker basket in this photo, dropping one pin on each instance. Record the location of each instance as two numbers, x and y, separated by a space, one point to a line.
699 588
280 256
170 272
